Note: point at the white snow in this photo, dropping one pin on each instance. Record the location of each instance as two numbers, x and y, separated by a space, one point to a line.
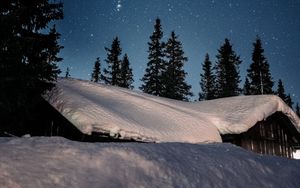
238 114
127 114
57 162
124 113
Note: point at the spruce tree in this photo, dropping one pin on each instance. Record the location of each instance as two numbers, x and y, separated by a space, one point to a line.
259 74
112 73
280 90
207 82
298 110
67 75
96 74
281 93
227 71
173 80
247 87
289 101
152 79
28 57
126 74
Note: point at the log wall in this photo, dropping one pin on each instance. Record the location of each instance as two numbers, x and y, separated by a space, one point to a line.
273 136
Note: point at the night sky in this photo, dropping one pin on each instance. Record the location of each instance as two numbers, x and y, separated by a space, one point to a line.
202 26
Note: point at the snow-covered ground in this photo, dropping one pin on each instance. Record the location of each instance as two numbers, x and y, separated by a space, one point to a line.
57 162
131 114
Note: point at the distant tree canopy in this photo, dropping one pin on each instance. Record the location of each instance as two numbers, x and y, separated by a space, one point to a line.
96 74
227 71
259 75
112 73
281 93
28 57
207 81
173 79
152 79
164 75
126 73
247 89
117 72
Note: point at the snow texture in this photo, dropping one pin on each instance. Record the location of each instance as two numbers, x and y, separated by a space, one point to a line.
127 114
57 162
135 115
235 115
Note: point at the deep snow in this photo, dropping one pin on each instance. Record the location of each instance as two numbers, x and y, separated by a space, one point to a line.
58 162
135 115
129 114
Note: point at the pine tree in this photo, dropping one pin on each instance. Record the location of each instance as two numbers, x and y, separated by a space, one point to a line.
259 74
227 71
247 87
280 90
112 74
289 101
281 93
173 79
152 79
298 109
207 82
67 75
28 57
96 74
126 74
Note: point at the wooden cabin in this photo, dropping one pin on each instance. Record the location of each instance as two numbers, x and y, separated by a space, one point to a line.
274 136
237 119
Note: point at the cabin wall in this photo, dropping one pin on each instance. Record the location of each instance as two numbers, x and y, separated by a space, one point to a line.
272 136
267 138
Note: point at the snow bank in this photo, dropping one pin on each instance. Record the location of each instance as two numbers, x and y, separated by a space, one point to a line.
128 114
135 115
57 162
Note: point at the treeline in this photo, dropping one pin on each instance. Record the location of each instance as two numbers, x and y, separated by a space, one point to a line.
223 80
28 56
164 75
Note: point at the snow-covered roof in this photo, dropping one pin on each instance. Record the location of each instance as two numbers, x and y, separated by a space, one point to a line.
234 115
128 114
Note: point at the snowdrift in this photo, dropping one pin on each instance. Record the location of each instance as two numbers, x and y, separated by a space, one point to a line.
57 162
135 115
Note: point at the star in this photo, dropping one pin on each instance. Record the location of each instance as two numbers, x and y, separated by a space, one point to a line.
119 5
202 25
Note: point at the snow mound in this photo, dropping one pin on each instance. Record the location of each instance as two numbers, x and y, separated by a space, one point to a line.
127 114
57 162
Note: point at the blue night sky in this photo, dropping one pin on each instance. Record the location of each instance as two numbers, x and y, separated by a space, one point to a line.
202 26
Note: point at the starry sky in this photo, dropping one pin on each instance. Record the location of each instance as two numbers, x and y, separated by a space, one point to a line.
202 26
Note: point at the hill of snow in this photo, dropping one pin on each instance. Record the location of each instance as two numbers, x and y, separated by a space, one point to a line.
57 162
135 115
